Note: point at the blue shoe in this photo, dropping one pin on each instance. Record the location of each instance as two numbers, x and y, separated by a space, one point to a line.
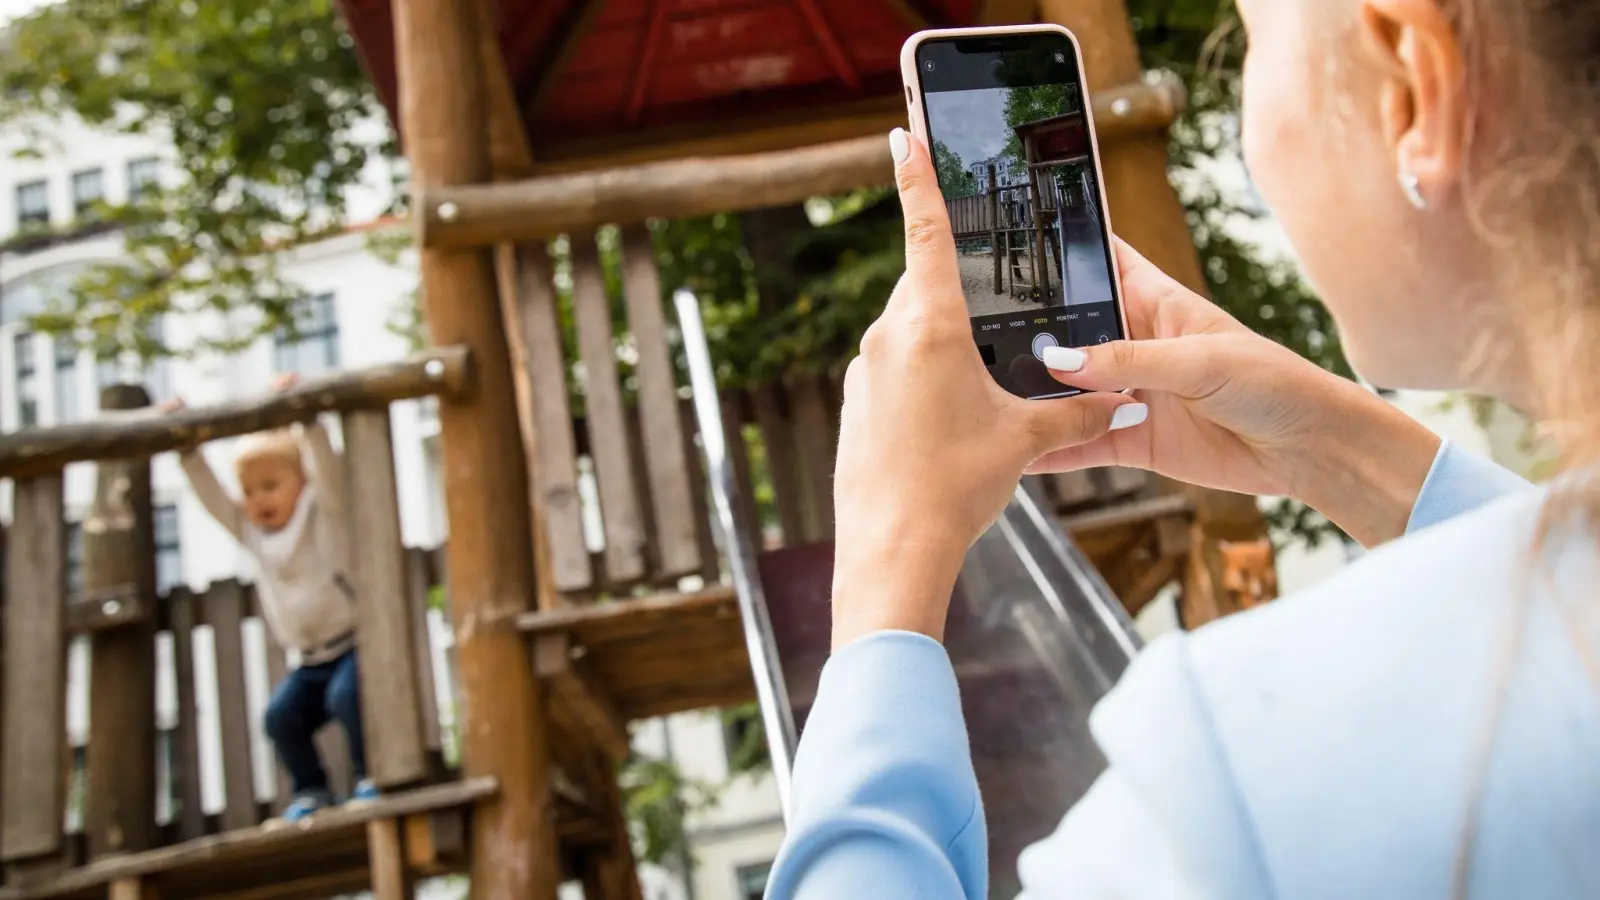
364 791
306 804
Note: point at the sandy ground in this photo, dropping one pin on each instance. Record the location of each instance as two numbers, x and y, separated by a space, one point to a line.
977 285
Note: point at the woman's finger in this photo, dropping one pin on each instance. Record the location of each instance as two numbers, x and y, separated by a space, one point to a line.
1192 367
930 248
1098 452
1053 424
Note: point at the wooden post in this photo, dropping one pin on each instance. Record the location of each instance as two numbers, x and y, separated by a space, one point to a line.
132 889
390 878
119 549
181 619
223 605
609 872
1041 252
443 118
32 783
391 714
1146 213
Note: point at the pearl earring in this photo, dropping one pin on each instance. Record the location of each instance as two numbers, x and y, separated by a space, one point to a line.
1412 186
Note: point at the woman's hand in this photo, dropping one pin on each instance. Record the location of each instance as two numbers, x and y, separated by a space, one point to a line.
1230 409
930 447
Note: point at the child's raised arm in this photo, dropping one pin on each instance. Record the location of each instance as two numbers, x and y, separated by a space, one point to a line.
326 472
213 496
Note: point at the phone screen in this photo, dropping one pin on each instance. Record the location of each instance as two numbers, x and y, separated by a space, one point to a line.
1020 176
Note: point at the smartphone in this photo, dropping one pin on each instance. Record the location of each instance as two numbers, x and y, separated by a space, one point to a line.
1005 113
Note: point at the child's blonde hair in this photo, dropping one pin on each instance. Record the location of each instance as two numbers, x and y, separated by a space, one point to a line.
280 444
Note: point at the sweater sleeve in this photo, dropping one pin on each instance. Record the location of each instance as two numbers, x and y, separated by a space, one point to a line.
1460 482
213 496
325 468
885 799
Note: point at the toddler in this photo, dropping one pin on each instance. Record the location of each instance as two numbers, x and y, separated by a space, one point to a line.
292 520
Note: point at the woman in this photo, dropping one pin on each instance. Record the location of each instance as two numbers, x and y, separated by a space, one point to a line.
1426 724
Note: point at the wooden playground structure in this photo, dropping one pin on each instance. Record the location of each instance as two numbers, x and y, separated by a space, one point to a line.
520 127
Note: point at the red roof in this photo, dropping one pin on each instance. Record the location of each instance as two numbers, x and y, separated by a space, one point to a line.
638 64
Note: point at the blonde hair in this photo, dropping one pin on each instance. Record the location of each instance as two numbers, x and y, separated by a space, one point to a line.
280 445
1533 191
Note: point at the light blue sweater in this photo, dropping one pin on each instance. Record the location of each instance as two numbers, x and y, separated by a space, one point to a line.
1433 707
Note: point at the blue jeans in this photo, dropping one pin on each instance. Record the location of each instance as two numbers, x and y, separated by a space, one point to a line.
305 701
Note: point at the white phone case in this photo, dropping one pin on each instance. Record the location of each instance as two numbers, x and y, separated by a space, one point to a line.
912 79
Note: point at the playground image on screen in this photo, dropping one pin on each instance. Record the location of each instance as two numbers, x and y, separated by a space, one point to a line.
1017 173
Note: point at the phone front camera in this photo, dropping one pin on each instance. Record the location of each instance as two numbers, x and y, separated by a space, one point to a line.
927 65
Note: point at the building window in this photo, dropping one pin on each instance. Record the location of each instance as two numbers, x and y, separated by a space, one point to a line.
169 556
88 189
142 174
752 881
744 740
27 383
74 558
313 346
33 204
66 367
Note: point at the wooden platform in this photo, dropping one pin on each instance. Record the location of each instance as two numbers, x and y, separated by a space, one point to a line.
657 655
322 856
677 652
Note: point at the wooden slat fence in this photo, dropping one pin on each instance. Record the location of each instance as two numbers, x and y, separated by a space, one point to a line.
620 485
210 648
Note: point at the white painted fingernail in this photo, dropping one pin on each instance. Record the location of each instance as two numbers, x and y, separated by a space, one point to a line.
898 148
1129 415
1065 359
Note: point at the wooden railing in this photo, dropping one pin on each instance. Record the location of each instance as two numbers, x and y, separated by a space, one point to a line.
124 622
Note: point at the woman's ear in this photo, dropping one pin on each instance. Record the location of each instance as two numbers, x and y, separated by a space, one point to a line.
1423 102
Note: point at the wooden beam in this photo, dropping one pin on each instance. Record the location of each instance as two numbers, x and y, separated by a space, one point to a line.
543 207
1176 504
574 686
1006 12
514 848
509 153
238 848
104 609
627 618
442 370
563 41
915 13
119 549
838 57
639 77
754 131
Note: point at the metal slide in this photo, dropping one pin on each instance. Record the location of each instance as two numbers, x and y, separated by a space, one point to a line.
1035 635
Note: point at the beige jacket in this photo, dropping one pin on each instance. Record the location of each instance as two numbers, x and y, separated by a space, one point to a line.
305 588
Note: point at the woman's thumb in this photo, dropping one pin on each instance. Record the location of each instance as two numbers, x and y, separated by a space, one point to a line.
1190 366
1054 424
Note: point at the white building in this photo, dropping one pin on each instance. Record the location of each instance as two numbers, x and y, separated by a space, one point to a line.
358 298
1004 174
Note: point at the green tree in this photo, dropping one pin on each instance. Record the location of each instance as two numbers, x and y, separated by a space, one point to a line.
954 178
270 120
